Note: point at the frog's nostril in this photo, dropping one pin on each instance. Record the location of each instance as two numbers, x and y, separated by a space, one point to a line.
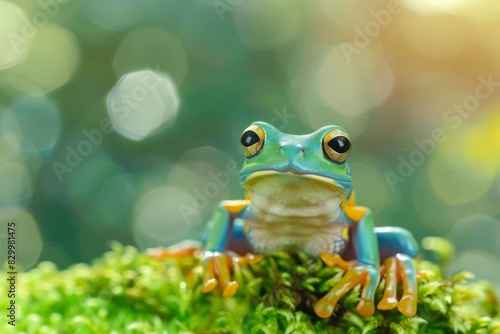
295 150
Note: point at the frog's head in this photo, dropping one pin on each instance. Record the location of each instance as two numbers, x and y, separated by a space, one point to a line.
300 175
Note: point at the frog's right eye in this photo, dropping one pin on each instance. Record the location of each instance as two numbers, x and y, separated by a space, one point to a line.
252 140
337 146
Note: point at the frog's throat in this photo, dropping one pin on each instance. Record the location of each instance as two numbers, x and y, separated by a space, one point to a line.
285 194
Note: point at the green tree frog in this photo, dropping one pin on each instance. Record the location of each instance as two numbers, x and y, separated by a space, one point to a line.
300 198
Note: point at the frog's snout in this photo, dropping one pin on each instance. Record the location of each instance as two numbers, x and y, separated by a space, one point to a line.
291 150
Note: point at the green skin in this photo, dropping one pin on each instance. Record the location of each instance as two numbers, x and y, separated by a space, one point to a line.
300 199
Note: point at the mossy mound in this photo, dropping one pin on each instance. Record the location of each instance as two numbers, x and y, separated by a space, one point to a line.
125 291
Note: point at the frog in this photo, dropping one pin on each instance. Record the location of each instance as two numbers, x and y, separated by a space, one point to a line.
300 198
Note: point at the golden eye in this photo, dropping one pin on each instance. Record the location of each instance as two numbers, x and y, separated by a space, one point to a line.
252 140
337 145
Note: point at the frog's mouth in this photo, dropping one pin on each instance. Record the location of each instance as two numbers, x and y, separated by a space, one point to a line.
290 194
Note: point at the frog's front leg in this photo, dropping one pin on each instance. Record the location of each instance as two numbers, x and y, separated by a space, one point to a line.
216 264
364 270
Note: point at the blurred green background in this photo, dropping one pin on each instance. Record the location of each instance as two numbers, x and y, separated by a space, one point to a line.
415 83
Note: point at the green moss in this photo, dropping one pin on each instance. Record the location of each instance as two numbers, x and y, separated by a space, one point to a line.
125 291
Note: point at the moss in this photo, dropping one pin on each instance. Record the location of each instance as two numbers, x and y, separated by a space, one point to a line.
125 291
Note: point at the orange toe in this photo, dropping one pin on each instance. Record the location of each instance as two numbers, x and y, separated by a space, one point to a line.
366 307
209 285
323 308
230 289
387 303
253 259
408 305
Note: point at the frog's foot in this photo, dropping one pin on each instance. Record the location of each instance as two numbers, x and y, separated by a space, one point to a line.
183 249
366 275
216 269
400 268
249 258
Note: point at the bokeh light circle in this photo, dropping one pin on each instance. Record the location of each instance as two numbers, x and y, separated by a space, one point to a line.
209 176
16 182
32 125
15 42
28 237
476 232
112 15
482 264
152 48
6 151
481 142
160 217
432 7
454 177
353 84
355 16
52 61
142 104
307 99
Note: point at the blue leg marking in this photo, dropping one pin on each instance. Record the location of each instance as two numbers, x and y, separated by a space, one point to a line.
395 240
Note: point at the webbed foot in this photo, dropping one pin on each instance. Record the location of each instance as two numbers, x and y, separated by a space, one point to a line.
216 266
356 273
217 270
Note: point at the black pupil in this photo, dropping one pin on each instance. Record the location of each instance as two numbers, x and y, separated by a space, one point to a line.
248 138
339 144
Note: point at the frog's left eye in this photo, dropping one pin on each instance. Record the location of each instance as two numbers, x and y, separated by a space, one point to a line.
252 140
337 145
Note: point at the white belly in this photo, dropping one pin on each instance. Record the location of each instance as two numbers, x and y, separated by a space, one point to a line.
295 235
